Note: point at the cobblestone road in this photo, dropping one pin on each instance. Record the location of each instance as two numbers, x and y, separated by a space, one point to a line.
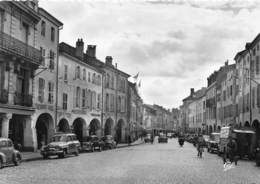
155 164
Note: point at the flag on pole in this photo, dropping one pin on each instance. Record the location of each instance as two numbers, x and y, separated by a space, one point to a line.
136 76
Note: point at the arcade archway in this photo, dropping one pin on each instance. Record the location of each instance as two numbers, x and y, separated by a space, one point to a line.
94 127
44 129
108 127
63 126
210 129
79 127
120 132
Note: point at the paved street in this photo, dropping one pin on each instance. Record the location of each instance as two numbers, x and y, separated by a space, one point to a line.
158 163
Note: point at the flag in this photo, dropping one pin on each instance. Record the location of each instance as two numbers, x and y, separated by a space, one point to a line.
136 76
139 85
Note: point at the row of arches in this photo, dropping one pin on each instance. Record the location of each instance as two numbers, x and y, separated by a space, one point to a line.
45 128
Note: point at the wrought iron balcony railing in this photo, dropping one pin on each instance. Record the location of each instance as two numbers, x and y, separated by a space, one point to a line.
23 99
14 46
4 96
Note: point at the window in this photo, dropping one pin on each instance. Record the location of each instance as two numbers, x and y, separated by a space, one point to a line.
258 95
84 74
94 96
89 78
51 90
257 65
78 97
83 98
112 102
42 50
41 90
99 101
93 78
107 81
51 65
77 72
65 101
107 102
253 97
43 28
99 80
113 82
52 34
89 98
231 92
65 73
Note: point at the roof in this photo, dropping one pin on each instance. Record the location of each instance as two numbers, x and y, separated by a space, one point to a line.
51 17
253 43
241 53
197 94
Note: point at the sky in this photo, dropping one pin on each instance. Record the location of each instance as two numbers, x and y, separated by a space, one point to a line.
173 44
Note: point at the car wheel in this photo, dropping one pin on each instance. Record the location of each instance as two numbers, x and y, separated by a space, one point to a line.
62 155
17 160
45 156
77 152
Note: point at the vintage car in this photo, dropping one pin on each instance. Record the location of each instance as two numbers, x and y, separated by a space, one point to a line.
148 138
213 142
91 143
162 138
61 144
8 155
109 142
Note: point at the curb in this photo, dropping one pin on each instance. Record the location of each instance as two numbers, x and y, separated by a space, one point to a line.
40 157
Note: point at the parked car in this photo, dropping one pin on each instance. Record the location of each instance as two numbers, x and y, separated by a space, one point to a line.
162 138
8 155
91 143
61 144
169 135
109 142
213 142
148 138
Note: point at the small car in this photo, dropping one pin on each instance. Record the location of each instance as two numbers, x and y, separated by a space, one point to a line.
169 135
148 138
91 143
162 138
109 142
8 155
61 145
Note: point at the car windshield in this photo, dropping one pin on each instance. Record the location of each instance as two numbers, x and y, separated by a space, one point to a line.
59 138
214 137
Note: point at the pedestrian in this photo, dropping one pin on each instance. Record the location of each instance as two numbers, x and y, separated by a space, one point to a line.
200 148
232 149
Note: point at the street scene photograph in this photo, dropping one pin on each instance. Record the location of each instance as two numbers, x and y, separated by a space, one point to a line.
129 92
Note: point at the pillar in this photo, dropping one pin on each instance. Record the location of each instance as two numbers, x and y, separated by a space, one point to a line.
30 137
5 125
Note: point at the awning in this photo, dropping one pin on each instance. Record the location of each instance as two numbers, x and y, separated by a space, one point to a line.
244 131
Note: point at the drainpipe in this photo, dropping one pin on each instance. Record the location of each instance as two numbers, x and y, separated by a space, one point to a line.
57 80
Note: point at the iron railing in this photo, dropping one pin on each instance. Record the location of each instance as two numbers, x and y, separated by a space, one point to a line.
19 48
23 99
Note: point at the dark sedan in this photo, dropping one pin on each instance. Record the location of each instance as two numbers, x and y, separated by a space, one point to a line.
92 143
109 142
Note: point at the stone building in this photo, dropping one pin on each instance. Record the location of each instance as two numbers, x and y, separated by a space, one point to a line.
115 95
149 117
22 45
80 92
135 111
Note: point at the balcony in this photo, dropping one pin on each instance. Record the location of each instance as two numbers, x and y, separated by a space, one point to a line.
18 48
23 99
4 96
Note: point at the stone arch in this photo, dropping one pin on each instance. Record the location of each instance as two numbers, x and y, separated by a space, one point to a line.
219 128
44 129
120 131
215 128
108 129
63 125
247 124
79 128
210 129
94 127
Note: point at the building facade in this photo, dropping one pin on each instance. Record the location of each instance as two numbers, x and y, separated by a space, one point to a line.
80 93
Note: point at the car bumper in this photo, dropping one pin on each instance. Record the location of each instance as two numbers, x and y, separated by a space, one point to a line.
51 152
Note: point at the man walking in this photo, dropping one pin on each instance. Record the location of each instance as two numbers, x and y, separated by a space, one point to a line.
231 150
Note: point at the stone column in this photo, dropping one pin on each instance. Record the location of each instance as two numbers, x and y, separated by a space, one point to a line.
5 125
30 138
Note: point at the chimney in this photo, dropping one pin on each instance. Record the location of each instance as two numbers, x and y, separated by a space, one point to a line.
91 51
226 63
109 60
191 92
80 48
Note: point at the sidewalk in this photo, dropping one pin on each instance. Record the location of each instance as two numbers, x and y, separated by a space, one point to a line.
32 156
